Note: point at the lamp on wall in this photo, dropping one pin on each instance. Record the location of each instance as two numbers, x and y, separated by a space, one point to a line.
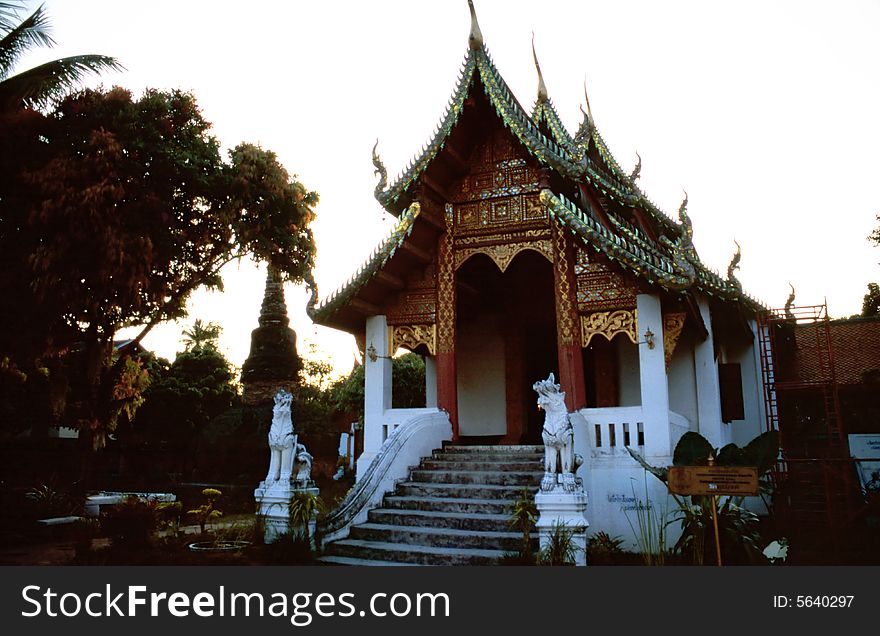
649 339
372 355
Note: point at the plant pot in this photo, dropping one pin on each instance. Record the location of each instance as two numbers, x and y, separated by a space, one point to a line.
218 546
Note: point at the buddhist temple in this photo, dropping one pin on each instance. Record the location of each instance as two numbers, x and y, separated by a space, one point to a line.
523 249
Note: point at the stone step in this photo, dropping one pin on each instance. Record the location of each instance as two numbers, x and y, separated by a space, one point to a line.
477 464
440 519
489 477
510 455
449 504
461 491
437 537
490 449
413 554
352 561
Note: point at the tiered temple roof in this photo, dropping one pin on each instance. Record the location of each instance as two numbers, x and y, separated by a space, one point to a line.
586 190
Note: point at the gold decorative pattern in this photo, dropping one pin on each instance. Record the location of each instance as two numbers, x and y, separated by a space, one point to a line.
414 306
503 254
411 336
672 326
499 168
581 260
601 288
516 236
500 212
446 288
565 312
417 302
609 324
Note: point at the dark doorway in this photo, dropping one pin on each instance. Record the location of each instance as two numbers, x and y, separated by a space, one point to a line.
518 309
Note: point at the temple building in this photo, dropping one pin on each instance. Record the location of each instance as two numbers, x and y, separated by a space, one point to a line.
522 249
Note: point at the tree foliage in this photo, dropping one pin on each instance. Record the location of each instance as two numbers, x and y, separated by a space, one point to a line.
407 386
113 210
875 235
187 394
38 86
871 302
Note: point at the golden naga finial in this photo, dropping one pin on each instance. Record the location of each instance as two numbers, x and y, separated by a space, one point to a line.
789 304
734 265
542 88
380 171
475 39
682 210
637 171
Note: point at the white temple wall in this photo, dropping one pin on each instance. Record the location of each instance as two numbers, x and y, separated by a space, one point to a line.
748 358
630 390
615 483
653 383
377 391
708 388
430 382
482 391
682 381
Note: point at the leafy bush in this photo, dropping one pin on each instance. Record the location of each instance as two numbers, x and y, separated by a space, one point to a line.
602 548
560 548
303 507
206 511
522 518
49 500
737 527
131 523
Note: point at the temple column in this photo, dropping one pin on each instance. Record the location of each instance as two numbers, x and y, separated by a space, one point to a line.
430 382
708 391
652 373
447 386
377 391
568 341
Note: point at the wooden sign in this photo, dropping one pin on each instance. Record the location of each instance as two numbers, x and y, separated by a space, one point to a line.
713 480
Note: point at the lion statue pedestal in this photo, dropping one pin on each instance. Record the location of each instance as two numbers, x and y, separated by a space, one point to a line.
561 500
290 468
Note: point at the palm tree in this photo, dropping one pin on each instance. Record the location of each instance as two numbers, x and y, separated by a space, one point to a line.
39 86
201 336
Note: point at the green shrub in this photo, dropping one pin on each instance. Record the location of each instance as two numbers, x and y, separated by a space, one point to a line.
131 523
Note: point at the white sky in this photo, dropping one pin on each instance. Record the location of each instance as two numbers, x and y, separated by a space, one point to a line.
766 112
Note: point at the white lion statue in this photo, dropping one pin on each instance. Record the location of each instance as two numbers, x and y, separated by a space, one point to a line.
558 436
285 453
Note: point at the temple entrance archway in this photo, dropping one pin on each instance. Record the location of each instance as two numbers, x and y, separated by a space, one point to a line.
505 341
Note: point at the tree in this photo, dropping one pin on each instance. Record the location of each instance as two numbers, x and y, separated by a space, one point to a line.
41 85
185 396
201 336
121 209
407 386
875 235
871 302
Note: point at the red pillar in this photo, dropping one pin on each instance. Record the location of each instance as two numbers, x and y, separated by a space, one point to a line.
447 388
568 337
447 383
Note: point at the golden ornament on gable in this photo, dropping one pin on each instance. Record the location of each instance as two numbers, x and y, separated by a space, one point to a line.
609 324
672 327
412 336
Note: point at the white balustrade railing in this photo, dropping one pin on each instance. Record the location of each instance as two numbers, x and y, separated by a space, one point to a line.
610 430
407 442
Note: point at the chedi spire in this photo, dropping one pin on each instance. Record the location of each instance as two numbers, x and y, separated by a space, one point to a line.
272 362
